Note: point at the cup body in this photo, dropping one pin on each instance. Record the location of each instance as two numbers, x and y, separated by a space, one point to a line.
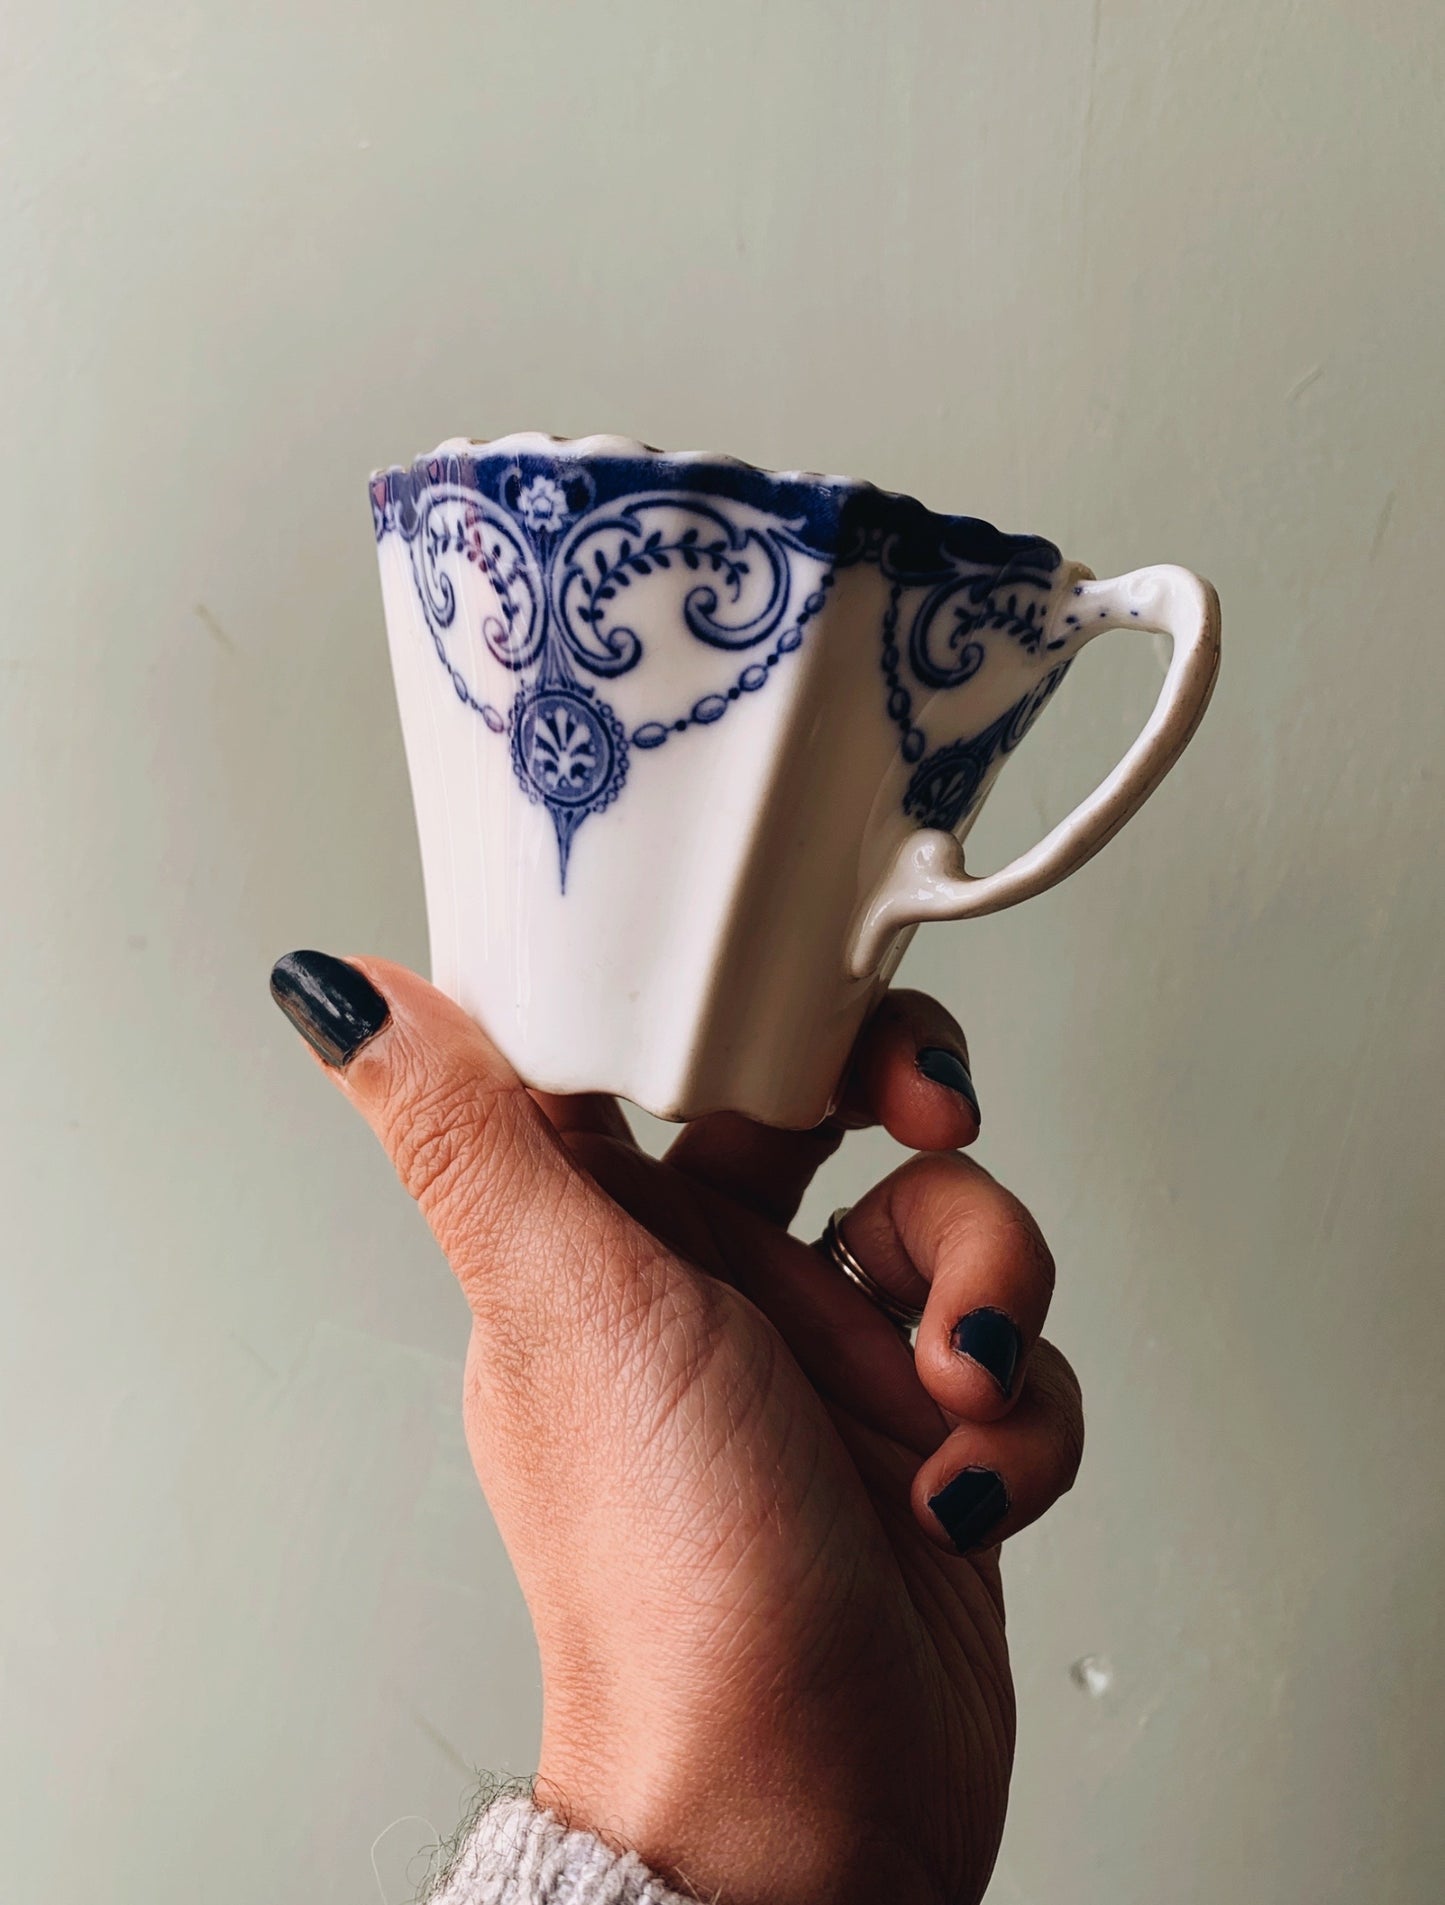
669 720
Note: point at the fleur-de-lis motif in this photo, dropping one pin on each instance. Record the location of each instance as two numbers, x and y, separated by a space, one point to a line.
562 752
569 753
745 561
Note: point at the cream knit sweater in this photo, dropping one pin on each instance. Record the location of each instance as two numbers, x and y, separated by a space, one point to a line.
516 1854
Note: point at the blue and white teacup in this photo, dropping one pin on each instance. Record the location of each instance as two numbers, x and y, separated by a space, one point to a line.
695 746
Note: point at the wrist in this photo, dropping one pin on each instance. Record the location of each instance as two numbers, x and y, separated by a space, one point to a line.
736 1826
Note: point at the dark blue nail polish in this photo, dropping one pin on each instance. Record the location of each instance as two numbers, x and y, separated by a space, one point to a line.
945 1068
990 1339
969 1506
335 1008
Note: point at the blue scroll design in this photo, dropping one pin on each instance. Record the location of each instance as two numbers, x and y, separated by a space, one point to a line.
563 546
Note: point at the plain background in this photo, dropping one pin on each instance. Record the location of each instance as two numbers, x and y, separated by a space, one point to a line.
1161 281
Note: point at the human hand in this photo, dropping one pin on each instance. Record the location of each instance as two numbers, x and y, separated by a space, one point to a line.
731 1494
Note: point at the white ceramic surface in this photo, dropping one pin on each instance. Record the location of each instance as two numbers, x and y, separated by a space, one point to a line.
695 746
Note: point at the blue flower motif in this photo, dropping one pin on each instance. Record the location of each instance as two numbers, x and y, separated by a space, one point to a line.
542 505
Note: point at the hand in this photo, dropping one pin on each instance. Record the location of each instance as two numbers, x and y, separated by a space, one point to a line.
766 1666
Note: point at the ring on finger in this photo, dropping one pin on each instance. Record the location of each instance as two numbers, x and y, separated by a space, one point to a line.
903 1316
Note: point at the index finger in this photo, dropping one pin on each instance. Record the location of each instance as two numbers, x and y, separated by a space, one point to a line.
909 1072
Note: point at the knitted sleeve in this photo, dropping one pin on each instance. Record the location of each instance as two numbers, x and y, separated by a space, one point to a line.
516 1854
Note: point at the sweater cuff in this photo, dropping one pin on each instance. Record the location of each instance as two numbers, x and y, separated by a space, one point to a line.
516 1854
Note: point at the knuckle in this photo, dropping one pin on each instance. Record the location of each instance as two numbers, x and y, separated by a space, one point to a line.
1062 1399
1072 1447
935 1189
926 1015
896 1007
977 1213
967 1211
1021 1242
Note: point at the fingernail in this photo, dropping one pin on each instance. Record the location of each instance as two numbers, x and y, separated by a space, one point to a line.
335 1008
945 1068
990 1339
972 1503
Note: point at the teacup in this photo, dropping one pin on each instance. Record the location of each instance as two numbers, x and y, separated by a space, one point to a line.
694 747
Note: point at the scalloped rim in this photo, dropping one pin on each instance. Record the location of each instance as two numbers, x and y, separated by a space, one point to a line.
543 443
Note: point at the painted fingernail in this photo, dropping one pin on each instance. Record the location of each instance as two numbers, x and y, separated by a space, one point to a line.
946 1068
990 1339
335 1008
972 1503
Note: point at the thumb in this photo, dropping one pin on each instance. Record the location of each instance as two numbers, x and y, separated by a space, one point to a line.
529 1235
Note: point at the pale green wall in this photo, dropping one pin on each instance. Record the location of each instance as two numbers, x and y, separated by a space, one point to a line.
1161 280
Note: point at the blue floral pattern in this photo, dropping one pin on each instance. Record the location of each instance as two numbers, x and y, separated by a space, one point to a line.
948 783
561 544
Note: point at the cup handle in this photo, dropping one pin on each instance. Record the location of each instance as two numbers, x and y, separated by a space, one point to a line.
927 879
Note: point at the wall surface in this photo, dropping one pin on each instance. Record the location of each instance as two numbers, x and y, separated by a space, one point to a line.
1161 280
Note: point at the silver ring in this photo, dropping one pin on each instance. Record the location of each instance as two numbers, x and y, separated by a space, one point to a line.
902 1316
